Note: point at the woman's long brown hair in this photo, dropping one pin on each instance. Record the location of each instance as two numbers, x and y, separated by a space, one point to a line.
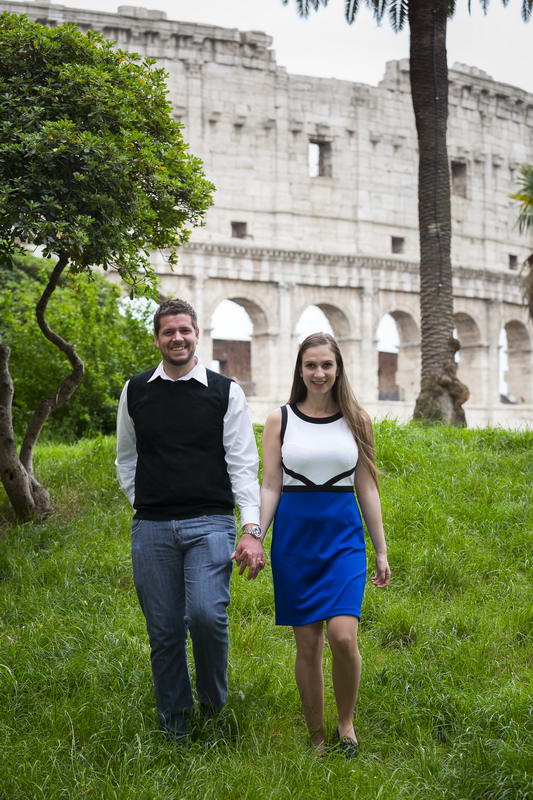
342 394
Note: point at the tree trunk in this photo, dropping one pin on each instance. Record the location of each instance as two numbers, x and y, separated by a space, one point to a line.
28 498
441 393
68 385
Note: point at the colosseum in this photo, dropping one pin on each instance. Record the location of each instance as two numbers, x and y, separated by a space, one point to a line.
316 205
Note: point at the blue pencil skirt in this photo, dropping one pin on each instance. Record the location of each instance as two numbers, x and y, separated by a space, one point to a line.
318 557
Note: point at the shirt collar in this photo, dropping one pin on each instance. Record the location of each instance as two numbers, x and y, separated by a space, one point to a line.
198 372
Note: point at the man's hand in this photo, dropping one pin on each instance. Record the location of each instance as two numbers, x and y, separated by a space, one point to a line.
249 553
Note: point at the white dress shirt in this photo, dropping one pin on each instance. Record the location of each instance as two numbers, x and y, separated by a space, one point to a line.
238 440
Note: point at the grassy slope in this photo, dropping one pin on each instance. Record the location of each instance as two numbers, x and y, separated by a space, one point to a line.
444 700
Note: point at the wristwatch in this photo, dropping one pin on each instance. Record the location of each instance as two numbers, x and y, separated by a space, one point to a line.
254 530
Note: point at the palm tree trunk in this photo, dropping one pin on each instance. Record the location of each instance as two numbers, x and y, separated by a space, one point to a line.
441 394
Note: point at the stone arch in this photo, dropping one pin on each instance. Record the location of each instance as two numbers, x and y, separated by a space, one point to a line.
256 313
471 359
338 319
519 366
248 362
406 379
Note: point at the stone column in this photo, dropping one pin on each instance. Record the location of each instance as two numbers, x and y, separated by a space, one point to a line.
351 354
493 314
205 345
473 366
287 343
365 379
264 365
282 193
194 132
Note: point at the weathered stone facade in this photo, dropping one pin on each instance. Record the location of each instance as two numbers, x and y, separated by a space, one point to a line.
279 239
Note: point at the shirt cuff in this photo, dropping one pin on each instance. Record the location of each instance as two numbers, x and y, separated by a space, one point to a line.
250 515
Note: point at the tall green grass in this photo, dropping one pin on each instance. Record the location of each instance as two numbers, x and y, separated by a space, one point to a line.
445 702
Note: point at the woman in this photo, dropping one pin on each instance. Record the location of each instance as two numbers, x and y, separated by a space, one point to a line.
316 449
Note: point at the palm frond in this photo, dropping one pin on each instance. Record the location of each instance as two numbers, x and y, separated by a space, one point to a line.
525 218
527 9
351 7
304 7
398 14
527 285
451 7
484 5
378 8
525 198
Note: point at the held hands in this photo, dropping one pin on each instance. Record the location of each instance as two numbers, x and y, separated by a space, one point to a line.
249 553
382 577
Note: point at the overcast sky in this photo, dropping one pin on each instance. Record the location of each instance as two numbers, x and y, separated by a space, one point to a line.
324 45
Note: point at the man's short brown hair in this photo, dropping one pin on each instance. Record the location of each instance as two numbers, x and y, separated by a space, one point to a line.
171 307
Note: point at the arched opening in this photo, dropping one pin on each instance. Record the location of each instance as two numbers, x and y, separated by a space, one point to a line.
471 356
323 317
312 320
398 343
388 344
238 327
503 363
516 351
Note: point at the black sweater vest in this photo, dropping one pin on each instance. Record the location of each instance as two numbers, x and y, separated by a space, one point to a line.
179 425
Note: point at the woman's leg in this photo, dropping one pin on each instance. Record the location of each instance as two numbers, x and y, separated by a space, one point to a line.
309 677
342 637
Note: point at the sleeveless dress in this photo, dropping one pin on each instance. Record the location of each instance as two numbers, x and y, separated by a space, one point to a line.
318 545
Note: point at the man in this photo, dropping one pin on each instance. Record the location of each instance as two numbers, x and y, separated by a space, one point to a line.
185 450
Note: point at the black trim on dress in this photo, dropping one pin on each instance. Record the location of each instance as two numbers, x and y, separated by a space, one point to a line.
340 477
317 488
316 420
308 482
283 423
297 476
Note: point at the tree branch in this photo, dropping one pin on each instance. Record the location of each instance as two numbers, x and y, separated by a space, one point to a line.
67 387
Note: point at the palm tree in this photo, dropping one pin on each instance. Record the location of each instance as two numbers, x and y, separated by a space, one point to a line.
441 393
525 223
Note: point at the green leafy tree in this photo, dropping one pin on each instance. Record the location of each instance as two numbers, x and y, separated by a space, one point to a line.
94 170
441 393
112 344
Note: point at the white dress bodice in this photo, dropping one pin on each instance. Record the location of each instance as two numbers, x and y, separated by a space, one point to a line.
316 451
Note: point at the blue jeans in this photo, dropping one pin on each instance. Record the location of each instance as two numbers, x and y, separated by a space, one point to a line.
182 570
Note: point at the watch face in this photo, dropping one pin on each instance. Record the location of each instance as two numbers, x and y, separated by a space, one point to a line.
255 532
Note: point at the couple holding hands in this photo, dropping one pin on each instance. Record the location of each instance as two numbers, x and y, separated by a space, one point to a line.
185 454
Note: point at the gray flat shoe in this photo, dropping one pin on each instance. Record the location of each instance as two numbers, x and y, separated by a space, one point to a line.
349 747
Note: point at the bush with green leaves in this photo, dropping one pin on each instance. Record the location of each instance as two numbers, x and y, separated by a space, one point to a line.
112 344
